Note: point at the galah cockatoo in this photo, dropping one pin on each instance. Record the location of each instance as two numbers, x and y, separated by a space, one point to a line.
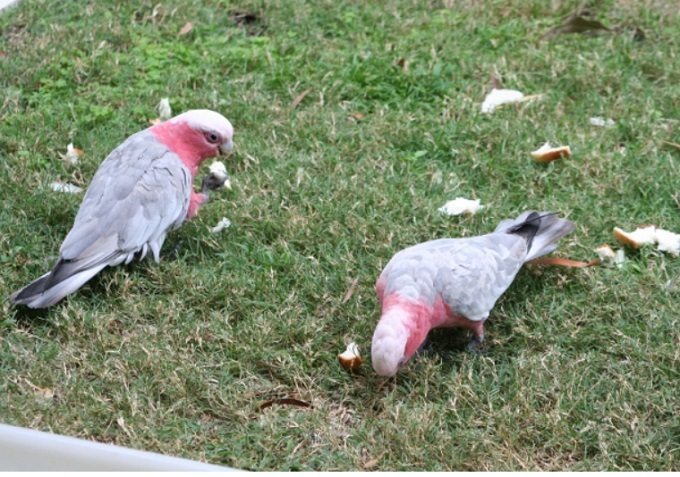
141 191
454 283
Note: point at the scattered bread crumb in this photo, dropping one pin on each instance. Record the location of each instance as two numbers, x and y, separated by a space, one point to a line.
601 122
605 253
72 154
498 97
620 258
460 205
350 358
65 187
221 225
547 153
164 109
219 171
668 242
641 236
665 240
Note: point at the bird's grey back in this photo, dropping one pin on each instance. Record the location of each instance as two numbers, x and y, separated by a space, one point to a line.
469 274
140 187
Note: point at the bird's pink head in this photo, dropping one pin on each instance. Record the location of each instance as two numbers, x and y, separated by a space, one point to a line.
196 135
389 344
401 330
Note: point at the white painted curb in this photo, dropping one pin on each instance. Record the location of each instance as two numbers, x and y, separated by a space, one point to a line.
28 450
6 3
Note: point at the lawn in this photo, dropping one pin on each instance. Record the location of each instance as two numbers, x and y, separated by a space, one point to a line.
194 356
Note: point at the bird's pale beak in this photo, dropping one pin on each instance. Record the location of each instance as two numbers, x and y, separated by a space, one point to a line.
227 147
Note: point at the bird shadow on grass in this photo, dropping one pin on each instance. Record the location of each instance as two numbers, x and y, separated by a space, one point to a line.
26 317
107 283
449 344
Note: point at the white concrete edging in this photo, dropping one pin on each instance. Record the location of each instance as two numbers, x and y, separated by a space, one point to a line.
28 450
6 3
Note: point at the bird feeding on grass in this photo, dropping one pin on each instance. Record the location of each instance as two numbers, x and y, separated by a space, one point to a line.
454 283
141 191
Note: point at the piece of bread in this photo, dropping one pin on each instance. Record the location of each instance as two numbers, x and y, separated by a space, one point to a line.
350 358
605 253
641 236
547 153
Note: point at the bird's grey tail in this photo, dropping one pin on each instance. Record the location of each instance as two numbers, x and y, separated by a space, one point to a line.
541 230
46 291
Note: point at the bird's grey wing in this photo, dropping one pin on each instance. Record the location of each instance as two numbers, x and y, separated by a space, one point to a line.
411 272
139 193
469 274
473 276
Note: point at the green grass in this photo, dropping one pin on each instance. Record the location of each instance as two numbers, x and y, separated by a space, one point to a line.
583 371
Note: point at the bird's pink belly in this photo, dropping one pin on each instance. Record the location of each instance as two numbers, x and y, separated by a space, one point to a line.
446 318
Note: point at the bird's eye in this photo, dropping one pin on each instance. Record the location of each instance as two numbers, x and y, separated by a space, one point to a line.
212 137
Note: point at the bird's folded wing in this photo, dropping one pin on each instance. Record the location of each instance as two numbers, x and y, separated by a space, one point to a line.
140 192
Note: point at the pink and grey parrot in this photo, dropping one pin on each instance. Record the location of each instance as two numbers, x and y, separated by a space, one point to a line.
454 283
141 191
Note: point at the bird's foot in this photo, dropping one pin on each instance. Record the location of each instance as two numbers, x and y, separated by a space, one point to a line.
175 251
213 182
476 344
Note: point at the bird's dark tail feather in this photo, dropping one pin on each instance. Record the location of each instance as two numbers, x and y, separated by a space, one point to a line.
541 230
45 291
23 296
